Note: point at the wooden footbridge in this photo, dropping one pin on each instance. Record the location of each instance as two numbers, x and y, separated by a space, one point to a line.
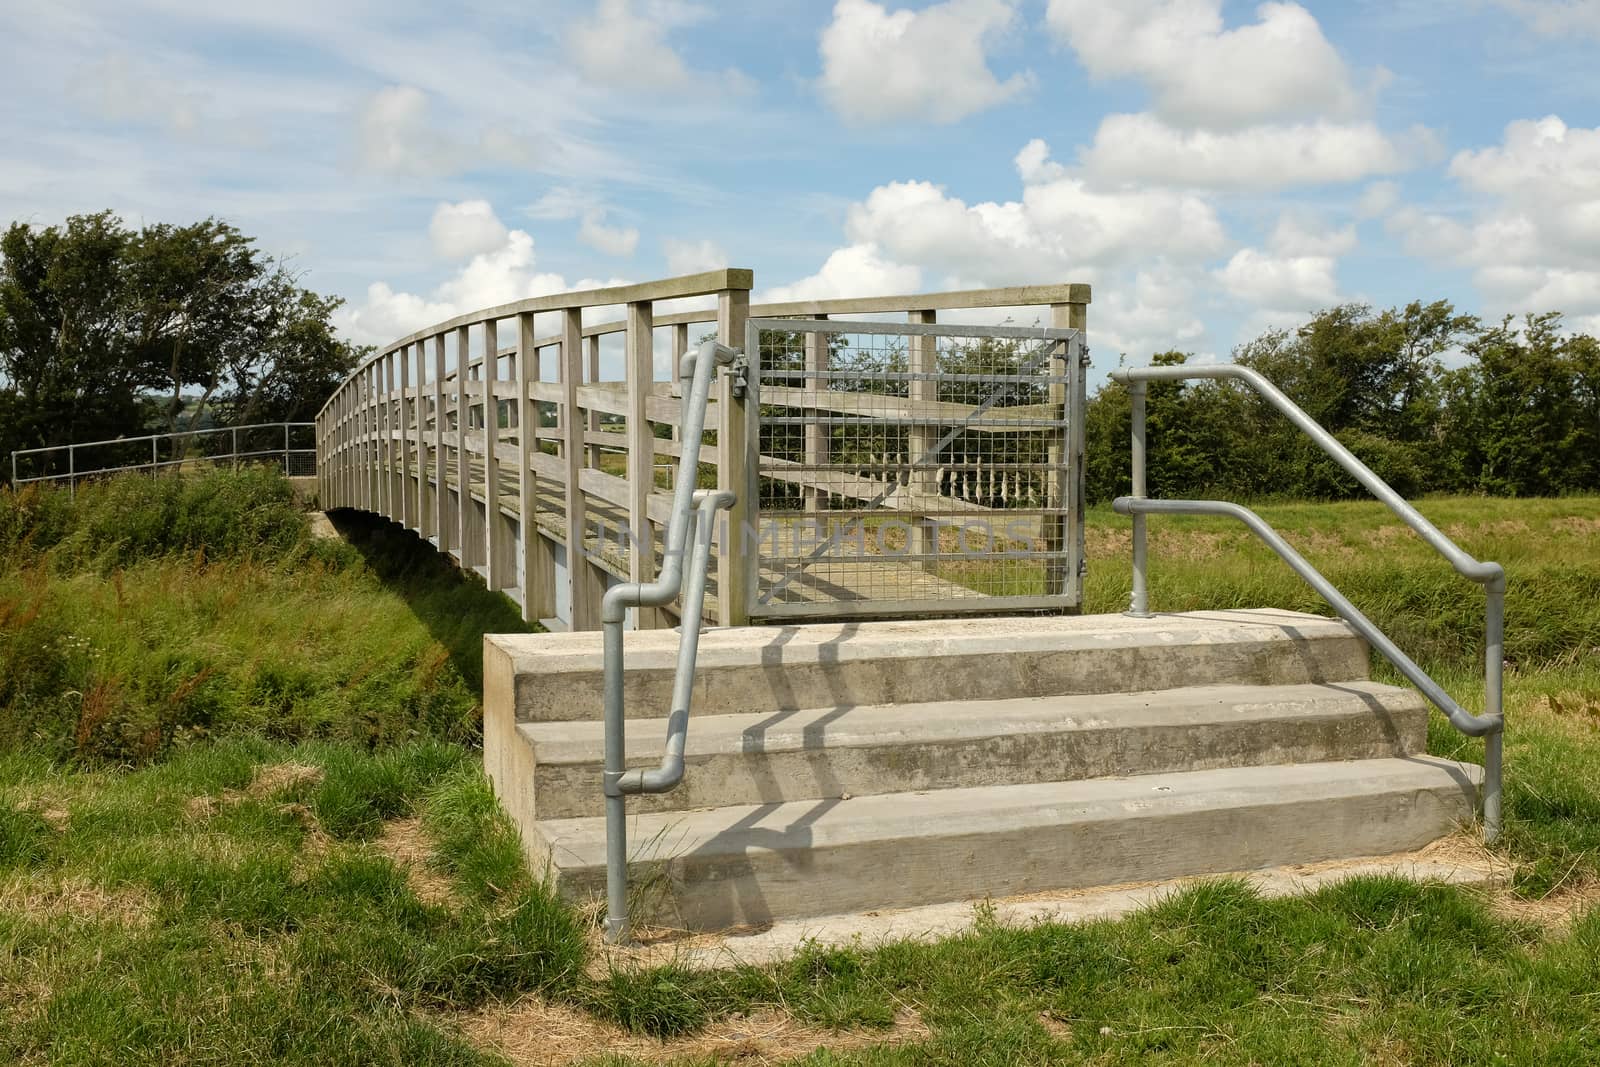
887 455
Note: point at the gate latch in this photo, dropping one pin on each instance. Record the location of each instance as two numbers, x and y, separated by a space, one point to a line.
740 369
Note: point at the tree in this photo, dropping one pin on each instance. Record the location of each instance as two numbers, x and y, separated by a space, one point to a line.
106 331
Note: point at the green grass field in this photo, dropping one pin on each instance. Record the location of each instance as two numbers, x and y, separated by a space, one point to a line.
242 820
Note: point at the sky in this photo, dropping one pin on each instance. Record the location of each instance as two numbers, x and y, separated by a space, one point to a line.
1212 168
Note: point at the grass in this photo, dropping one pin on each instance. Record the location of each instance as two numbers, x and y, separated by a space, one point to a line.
295 858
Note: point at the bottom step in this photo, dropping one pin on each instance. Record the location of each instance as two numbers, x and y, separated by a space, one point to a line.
722 867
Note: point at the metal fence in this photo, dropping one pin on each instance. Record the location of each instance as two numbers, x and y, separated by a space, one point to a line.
288 445
911 468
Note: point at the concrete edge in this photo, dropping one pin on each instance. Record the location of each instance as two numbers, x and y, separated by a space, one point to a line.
1452 861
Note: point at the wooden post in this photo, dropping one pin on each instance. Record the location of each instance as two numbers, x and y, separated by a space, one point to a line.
817 436
531 580
1058 487
463 458
493 528
593 344
737 547
369 442
639 369
921 485
680 348
408 516
585 608
441 474
425 528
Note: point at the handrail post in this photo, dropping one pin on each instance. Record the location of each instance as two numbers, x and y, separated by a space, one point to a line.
689 508
1139 606
1494 705
72 474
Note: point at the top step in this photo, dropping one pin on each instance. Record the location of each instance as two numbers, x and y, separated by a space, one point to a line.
758 668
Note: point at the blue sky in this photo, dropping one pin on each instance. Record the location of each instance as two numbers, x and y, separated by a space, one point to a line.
1211 168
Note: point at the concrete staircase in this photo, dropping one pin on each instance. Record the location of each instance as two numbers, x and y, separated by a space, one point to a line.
851 767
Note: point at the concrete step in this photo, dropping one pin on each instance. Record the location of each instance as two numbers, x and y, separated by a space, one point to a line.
757 669
722 867
832 752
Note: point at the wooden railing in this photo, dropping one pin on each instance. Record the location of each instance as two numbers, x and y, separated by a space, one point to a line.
430 432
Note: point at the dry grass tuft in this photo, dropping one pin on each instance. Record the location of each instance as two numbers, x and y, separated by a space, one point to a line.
277 778
268 782
47 897
408 846
1556 910
533 1032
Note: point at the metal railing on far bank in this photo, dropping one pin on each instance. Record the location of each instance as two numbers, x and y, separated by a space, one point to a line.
290 446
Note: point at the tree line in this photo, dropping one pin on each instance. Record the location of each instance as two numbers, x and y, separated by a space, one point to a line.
1518 416
108 331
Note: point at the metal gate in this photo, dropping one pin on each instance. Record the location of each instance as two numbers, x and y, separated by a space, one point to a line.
908 470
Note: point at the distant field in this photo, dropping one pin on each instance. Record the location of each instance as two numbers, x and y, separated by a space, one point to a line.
242 820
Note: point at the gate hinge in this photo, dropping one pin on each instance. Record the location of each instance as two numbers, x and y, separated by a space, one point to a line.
740 369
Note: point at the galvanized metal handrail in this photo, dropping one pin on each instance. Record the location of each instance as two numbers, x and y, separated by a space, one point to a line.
72 474
1491 724
693 514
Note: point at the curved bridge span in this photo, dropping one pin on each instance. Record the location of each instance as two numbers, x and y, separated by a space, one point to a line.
869 443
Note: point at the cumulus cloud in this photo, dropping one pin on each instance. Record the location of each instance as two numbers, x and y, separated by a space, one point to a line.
627 48
1143 148
465 229
1532 236
1059 225
593 229
1203 75
855 270
497 275
1265 105
929 65
1151 245
693 257
1294 273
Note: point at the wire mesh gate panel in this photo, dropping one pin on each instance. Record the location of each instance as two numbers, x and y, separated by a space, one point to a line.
909 469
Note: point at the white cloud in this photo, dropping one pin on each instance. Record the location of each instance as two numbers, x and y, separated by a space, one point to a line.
396 135
465 229
119 89
1532 236
1298 234
567 203
1377 199
1150 312
693 257
1059 227
928 65
1150 247
493 276
397 132
626 48
1264 105
855 270
1299 283
612 240
1142 148
1558 17
1294 274
1203 75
